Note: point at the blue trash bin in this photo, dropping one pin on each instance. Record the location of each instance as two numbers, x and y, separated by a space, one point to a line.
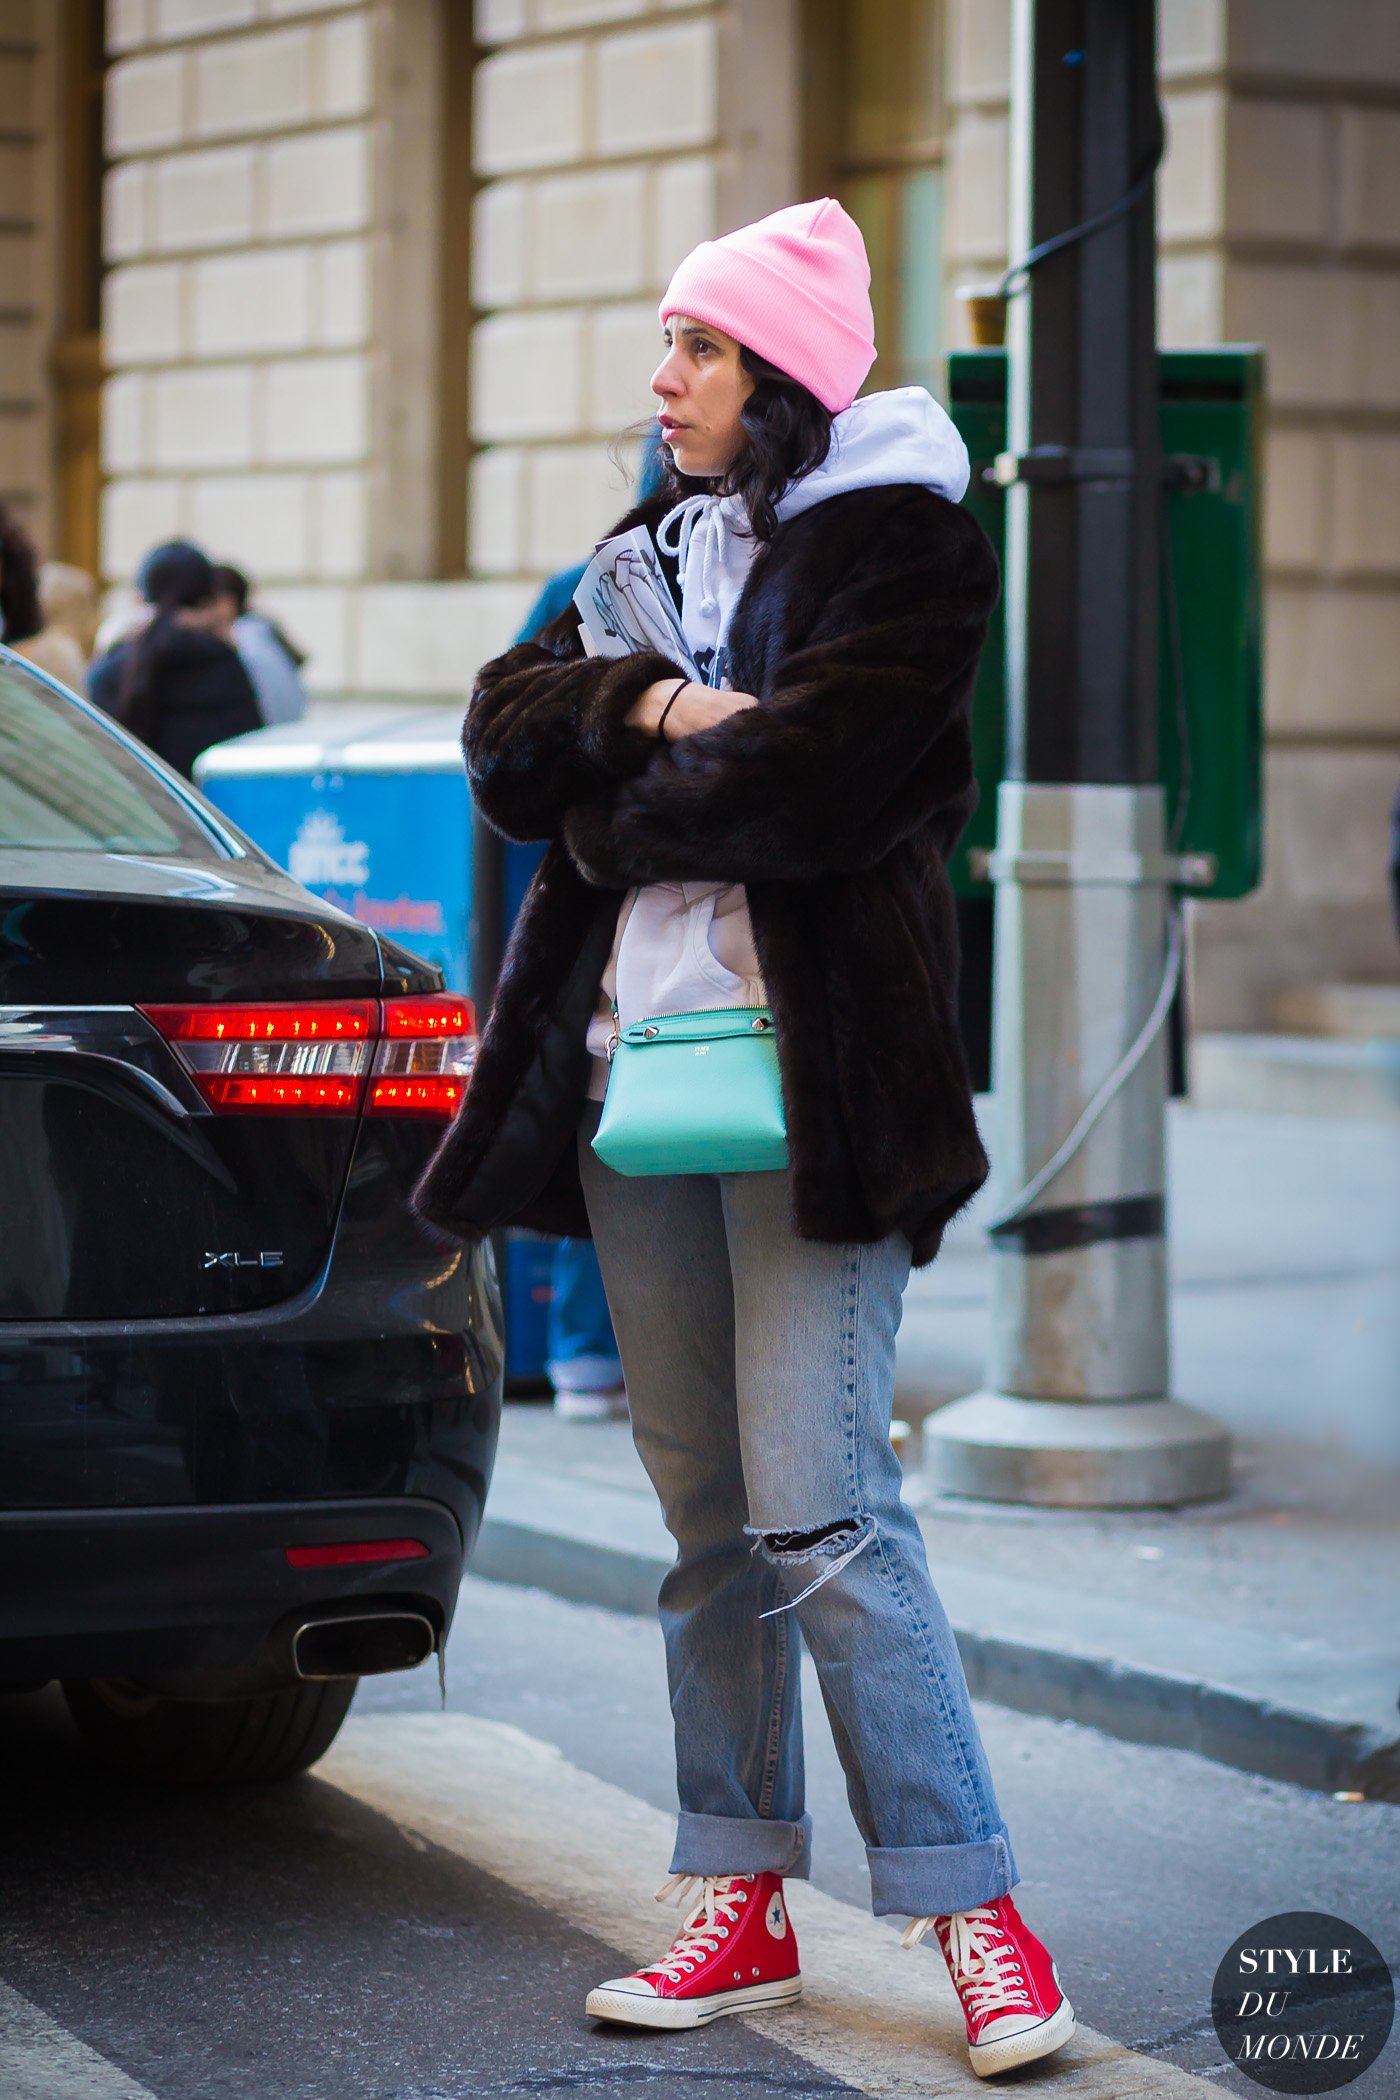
365 802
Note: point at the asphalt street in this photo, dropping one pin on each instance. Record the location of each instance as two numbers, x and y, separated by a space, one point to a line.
421 1918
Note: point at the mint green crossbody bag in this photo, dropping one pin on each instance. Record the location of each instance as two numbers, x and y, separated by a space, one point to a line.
694 1093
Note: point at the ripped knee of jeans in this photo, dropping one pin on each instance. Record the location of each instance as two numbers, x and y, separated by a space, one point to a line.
822 1551
827 1539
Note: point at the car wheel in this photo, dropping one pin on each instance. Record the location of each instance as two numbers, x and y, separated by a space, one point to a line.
208 1742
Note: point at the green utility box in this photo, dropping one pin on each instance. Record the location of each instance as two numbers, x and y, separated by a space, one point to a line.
1210 701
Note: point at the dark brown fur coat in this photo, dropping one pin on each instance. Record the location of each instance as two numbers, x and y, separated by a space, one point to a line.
836 802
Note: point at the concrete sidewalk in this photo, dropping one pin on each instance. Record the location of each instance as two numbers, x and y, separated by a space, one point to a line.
1261 1630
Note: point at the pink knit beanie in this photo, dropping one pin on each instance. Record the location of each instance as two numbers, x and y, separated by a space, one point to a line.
795 287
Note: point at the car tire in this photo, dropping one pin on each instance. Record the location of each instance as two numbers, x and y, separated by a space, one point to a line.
207 1742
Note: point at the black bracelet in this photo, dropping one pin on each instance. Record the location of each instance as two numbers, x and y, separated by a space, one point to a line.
681 684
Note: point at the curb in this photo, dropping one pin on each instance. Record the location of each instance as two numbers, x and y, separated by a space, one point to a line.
1141 1705
575 1569
600 1547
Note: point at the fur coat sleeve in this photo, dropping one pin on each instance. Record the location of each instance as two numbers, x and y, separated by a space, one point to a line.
546 728
861 737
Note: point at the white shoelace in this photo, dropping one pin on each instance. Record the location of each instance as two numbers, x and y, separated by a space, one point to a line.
985 1965
706 1924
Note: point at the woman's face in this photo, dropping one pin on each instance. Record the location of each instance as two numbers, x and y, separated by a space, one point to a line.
701 386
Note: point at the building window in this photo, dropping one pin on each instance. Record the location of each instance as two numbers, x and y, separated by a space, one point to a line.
875 123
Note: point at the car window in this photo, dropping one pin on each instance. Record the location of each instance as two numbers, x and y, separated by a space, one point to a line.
68 781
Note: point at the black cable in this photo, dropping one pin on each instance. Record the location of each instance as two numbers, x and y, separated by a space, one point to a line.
1012 281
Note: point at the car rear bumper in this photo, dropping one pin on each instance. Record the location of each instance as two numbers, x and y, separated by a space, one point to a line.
203 1600
382 1381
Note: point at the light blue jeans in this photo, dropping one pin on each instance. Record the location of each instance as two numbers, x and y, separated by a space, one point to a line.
760 1369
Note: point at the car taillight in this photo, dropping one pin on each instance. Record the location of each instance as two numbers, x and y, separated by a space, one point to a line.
416 1054
273 1056
426 1051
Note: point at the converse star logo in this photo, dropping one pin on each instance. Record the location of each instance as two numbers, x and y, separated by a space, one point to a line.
775 1918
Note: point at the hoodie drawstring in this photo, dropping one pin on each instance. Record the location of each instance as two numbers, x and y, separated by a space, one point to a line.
684 519
705 533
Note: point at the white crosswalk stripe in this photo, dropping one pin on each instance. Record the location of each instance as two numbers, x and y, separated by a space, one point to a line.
39 2060
885 2021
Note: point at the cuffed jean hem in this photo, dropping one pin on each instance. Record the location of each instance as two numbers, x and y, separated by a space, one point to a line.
928 1881
742 1845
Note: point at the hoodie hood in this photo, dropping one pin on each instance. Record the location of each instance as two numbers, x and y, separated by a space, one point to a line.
881 441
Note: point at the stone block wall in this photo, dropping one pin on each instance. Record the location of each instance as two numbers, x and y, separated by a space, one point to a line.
1277 224
1314 272
275 229
238 224
609 137
276 224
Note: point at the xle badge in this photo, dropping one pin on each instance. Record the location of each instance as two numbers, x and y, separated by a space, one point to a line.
775 1917
270 1258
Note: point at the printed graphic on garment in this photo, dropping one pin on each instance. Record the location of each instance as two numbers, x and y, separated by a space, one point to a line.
626 606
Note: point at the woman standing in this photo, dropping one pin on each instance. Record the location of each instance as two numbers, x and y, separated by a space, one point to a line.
775 837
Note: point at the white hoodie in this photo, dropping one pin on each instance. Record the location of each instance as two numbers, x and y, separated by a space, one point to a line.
684 947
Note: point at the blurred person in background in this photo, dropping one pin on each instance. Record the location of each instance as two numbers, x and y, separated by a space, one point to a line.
178 682
582 1364
125 616
272 662
23 626
68 598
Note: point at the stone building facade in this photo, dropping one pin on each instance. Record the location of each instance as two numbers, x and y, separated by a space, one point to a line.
378 289
1279 223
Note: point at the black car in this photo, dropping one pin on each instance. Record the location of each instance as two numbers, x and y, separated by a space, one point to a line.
248 1404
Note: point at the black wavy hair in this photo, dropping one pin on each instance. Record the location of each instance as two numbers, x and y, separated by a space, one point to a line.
19 580
788 433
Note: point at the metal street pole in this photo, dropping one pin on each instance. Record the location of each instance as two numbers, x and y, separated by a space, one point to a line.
1077 1411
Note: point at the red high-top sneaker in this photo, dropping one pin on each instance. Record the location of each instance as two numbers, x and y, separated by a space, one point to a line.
735 1953
1008 1985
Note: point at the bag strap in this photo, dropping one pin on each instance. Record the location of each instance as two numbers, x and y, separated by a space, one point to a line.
703 1025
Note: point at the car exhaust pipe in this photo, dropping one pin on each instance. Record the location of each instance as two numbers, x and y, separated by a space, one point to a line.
366 1645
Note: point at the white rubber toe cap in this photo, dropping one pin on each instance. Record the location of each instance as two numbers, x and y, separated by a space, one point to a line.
1016 2040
